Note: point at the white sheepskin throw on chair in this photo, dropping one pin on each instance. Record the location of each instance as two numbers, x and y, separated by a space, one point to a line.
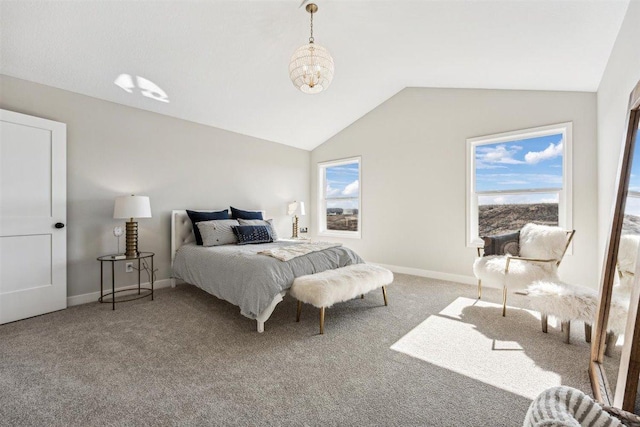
536 242
342 284
570 302
490 269
627 257
542 241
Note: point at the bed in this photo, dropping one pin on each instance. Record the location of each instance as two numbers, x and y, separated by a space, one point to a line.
254 282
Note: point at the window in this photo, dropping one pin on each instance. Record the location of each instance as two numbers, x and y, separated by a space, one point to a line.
631 223
516 178
339 205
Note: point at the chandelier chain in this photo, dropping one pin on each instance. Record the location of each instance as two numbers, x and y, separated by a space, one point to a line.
311 37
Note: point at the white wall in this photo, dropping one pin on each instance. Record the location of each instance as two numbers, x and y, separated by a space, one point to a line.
114 150
620 77
413 151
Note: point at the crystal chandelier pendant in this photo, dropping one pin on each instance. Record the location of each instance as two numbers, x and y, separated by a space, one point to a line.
311 66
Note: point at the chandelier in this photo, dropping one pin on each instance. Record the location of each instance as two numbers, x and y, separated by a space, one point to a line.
311 66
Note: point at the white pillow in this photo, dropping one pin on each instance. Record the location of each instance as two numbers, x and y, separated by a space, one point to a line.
267 222
217 232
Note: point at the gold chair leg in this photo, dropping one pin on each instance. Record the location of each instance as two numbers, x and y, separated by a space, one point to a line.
322 321
543 319
587 332
504 301
299 311
384 294
479 289
566 328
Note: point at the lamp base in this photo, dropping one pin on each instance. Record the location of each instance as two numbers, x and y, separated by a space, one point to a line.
132 239
294 233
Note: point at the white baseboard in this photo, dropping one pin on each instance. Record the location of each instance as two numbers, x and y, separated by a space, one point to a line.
459 278
165 283
93 296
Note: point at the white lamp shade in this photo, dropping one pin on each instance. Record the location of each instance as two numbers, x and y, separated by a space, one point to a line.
296 208
132 207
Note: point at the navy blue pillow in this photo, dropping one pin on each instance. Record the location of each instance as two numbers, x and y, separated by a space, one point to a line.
240 214
249 234
196 217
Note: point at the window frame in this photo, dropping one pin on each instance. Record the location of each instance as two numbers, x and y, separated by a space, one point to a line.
565 194
322 199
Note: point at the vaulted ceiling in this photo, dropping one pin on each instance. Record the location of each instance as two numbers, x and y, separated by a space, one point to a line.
225 63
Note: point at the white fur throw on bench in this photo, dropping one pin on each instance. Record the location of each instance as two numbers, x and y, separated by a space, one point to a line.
342 284
569 302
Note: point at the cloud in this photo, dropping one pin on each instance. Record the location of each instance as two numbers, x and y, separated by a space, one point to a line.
534 180
351 189
331 191
512 182
552 151
518 199
632 206
486 157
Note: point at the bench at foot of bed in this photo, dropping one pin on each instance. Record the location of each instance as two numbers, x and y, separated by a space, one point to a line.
324 289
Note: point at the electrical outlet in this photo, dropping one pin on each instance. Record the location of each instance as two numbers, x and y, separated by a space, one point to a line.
128 267
303 230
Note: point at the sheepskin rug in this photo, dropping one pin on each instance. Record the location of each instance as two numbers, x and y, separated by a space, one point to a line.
342 284
570 302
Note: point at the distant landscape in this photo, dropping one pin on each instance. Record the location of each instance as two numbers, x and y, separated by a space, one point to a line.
502 219
341 221
631 224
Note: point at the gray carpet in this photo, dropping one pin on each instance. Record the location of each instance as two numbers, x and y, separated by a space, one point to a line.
190 359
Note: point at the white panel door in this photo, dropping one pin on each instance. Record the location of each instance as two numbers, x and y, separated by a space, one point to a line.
33 213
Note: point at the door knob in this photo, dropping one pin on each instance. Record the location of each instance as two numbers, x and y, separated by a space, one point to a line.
59 225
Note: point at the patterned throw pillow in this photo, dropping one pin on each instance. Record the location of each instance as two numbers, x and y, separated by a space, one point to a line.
268 222
502 244
249 234
217 232
197 216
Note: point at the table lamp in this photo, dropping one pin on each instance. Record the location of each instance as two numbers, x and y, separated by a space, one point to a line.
132 207
295 209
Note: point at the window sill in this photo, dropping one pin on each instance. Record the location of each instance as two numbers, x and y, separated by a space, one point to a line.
341 234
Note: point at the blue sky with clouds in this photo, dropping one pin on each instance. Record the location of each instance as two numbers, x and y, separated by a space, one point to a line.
533 163
343 182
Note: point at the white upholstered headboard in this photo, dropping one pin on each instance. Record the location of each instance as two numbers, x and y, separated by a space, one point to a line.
182 231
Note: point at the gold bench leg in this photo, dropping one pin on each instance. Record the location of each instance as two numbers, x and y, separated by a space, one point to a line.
361 296
587 332
543 319
384 294
322 321
566 328
479 289
299 311
504 301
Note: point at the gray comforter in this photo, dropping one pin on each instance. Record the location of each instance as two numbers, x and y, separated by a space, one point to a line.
243 277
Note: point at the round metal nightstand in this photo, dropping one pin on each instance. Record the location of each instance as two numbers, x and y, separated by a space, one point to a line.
113 259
